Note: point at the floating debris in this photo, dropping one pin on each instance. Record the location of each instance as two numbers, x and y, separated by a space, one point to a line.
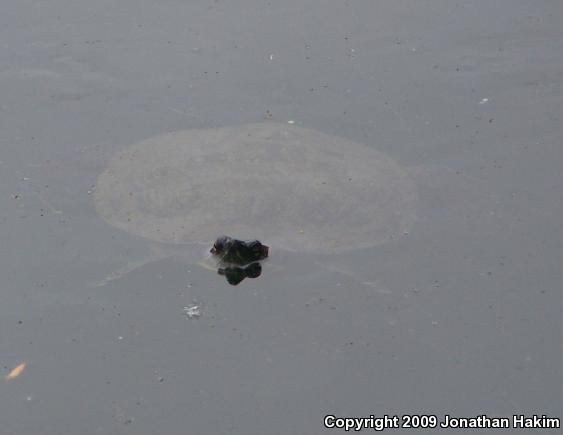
15 372
193 311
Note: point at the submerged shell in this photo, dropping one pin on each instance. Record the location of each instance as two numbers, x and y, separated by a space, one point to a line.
287 186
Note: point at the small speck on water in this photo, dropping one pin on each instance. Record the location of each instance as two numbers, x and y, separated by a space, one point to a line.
192 311
484 101
291 122
15 372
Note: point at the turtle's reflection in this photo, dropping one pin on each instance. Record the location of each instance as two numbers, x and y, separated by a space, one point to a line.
235 274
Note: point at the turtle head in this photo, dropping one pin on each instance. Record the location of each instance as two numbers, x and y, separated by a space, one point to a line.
221 245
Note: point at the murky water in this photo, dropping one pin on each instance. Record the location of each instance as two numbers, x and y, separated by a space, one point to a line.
461 315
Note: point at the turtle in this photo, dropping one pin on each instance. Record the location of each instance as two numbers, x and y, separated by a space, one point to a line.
294 188
235 252
239 259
